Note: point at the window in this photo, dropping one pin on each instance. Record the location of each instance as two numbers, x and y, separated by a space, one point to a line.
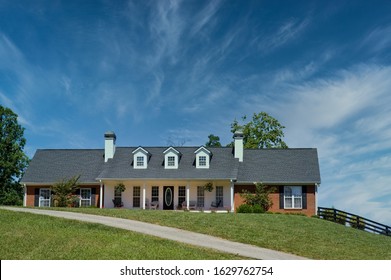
140 158
202 161
220 195
200 197
155 194
85 197
44 197
203 157
171 158
170 161
293 197
181 194
140 161
136 196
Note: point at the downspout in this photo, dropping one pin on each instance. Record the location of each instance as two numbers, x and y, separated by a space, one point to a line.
101 195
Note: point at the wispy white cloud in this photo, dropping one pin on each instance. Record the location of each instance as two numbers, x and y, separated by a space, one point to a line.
288 31
166 27
378 39
205 17
345 116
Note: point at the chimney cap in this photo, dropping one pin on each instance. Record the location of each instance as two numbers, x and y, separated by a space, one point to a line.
110 134
238 133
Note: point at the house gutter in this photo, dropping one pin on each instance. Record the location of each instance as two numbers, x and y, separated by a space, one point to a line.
165 179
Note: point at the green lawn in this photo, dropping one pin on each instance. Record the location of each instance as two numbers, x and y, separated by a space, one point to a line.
35 237
309 237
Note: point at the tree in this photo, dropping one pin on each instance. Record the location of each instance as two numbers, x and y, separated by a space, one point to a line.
214 141
263 131
261 196
63 192
13 160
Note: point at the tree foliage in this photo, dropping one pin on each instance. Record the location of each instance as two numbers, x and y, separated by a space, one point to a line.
260 197
214 141
63 192
263 131
13 160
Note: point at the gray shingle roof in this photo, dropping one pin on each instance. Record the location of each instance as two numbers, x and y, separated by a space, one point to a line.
267 165
50 166
280 166
222 165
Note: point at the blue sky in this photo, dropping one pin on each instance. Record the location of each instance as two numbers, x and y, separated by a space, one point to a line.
173 72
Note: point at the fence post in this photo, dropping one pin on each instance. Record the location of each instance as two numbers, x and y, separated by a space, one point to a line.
335 215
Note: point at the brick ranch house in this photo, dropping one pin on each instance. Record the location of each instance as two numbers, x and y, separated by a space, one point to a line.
174 177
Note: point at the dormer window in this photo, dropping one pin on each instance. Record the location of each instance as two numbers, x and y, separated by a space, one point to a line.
203 156
140 158
171 158
171 161
140 161
202 161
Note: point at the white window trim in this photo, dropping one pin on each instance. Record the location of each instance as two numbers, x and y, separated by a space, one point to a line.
202 152
140 152
42 199
292 197
140 161
89 199
171 152
171 161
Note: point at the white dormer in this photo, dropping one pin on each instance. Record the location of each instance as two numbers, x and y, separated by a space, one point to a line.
202 157
171 158
140 158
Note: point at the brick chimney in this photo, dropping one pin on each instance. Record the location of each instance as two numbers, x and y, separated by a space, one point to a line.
109 145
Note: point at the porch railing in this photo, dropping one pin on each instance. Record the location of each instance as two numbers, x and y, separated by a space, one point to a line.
353 220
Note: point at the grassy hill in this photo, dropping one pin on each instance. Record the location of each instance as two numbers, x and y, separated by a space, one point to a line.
25 236
308 237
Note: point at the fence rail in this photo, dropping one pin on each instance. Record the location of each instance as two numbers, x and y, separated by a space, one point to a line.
353 220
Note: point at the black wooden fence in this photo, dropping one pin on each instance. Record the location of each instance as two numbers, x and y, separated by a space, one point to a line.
353 220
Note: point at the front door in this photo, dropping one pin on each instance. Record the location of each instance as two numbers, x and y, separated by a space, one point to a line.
168 201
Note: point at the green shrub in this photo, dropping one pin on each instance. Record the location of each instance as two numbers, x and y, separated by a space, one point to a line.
258 209
244 208
260 197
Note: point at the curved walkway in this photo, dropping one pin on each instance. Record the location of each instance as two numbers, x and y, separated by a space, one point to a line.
175 234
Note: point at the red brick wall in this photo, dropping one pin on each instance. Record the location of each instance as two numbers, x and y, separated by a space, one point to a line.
31 194
275 197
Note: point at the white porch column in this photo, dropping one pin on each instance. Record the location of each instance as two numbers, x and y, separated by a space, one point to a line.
232 196
144 194
101 195
25 195
187 195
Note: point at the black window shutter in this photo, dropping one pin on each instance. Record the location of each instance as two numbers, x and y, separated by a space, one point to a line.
281 197
93 192
36 197
304 197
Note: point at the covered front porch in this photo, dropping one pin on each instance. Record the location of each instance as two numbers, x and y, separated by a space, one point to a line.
169 195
